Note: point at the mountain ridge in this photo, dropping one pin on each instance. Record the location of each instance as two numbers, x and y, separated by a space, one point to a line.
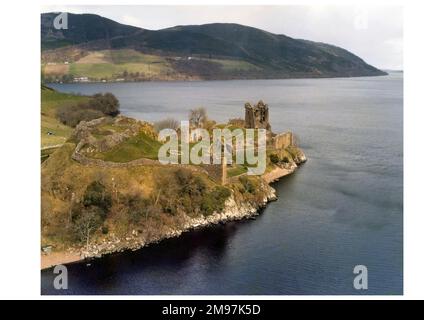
207 51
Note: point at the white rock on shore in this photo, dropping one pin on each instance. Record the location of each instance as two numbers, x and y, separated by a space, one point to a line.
232 212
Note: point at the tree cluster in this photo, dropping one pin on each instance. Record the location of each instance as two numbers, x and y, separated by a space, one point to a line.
89 214
99 105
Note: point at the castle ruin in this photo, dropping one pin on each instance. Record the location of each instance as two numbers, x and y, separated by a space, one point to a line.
256 116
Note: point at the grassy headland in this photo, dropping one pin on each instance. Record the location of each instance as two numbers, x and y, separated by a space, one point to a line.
103 189
53 132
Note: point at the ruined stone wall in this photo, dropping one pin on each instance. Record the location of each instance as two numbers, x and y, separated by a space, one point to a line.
87 161
283 140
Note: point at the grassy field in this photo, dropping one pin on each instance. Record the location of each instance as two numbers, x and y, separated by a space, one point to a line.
236 171
58 69
140 146
132 56
232 65
95 57
111 64
45 153
111 71
50 101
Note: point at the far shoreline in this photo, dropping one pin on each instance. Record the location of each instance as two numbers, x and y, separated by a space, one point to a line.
235 79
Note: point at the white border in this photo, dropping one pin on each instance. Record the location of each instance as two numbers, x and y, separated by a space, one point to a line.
20 188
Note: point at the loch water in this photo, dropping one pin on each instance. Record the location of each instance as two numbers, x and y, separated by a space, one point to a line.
342 208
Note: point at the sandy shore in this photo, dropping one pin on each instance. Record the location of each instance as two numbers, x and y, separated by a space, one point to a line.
55 258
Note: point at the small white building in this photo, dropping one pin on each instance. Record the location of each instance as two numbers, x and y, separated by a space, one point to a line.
81 79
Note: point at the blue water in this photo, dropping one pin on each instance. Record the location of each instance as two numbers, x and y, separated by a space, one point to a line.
343 208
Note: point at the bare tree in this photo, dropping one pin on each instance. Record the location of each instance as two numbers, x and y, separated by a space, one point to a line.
88 221
198 117
168 123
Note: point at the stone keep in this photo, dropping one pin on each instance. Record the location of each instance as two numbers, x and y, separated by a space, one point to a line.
257 117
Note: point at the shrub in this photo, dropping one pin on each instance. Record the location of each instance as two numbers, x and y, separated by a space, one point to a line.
274 158
170 205
214 201
190 192
189 183
248 184
71 115
97 195
89 214
106 103
209 124
137 206
237 122
98 106
105 230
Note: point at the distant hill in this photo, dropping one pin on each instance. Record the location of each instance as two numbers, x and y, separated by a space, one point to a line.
104 50
82 28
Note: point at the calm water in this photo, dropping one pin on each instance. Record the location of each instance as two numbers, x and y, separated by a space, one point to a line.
343 208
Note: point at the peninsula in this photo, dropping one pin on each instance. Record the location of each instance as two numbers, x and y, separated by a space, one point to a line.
104 190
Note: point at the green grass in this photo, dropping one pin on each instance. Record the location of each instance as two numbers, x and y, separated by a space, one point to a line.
113 63
45 154
59 130
140 146
50 101
236 171
110 70
232 65
94 70
132 56
118 61
111 127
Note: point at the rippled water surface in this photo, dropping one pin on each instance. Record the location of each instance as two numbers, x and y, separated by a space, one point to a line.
343 208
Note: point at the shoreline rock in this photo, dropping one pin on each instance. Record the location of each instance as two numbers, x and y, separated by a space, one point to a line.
232 212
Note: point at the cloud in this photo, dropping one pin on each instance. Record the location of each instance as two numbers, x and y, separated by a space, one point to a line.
131 20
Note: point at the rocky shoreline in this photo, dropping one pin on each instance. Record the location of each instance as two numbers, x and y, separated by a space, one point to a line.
233 211
236 207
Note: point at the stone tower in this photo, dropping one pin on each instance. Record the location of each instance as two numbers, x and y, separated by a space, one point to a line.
224 171
257 117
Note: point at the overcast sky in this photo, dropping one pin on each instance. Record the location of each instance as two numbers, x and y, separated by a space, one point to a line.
373 33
